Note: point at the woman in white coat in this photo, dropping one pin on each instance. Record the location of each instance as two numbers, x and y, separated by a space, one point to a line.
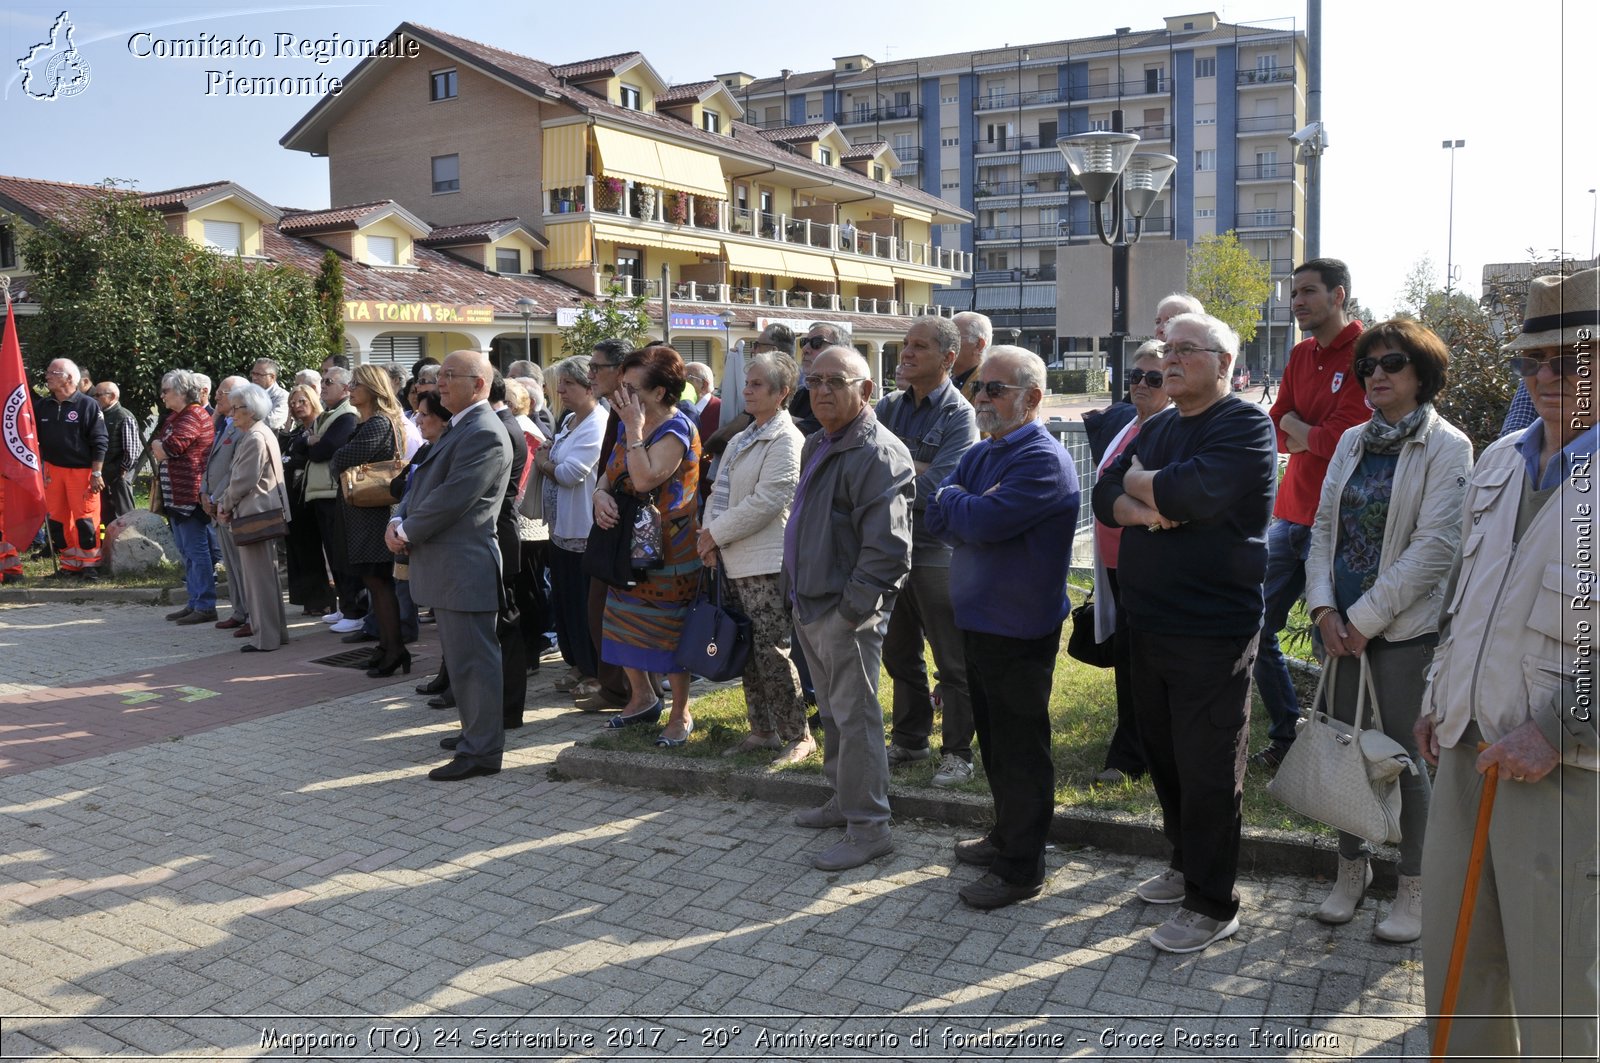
743 532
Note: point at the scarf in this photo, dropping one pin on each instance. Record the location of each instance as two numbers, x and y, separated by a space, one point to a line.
1381 437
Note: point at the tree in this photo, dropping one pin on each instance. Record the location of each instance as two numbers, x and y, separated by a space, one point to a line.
132 300
1230 281
614 317
330 301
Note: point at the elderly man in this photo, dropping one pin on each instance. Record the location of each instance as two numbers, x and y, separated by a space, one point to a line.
707 415
446 523
1170 307
1009 510
72 445
852 512
122 451
1194 493
264 374
976 334
1515 670
935 423
213 484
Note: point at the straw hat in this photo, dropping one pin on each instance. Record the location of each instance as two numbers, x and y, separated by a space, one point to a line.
1562 311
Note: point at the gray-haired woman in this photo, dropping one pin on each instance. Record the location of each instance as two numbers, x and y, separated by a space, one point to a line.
255 486
743 531
180 450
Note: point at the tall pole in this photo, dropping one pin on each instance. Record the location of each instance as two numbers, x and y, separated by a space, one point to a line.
1313 242
1450 237
1594 204
1119 279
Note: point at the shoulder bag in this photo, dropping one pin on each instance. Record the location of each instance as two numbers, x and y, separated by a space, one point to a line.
255 528
608 554
367 486
1081 645
715 643
1339 774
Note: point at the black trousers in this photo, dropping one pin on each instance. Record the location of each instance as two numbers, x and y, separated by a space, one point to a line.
569 600
117 498
1126 752
1009 680
346 584
1192 697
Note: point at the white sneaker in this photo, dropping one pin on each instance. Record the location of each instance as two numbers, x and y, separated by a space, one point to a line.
1189 931
345 627
1165 888
952 771
333 617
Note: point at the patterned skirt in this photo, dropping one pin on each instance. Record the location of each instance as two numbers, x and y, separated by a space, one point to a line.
642 626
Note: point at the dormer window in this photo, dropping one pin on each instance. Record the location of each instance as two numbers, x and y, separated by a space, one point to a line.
711 121
877 173
225 236
632 98
825 156
446 173
442 85
383 250
507 260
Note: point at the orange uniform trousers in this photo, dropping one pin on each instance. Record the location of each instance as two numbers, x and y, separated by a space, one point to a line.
76 508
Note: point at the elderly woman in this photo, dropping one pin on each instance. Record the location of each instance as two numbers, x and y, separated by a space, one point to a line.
745 518
656 457
379 436
567 470
1125 755
1386 530
180 451
255 486
308 575
533 534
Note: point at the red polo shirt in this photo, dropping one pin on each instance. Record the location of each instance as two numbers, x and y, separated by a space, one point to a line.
1319 386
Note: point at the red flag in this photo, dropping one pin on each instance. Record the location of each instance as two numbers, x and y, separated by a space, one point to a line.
22 508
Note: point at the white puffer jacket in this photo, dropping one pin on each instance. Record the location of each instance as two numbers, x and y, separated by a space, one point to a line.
761 473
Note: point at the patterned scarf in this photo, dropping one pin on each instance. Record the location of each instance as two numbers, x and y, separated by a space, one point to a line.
1381 437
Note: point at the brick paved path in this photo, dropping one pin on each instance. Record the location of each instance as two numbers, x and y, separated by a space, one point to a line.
298 864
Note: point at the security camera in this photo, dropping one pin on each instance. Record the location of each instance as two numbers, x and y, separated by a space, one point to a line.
1313 133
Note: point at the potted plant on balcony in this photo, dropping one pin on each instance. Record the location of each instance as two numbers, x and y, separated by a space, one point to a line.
644 202
706 212
608 193
677 207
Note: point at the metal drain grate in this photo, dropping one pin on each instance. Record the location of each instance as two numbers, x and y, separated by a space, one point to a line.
347 659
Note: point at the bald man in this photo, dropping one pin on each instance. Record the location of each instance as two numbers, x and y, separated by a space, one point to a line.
72 445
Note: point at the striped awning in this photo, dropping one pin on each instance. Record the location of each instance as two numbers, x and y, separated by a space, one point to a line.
779 262
669 241
571 245
857 271
638 158
566 149
1044 162
901 210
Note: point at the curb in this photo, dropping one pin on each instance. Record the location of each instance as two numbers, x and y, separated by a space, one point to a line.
113 595
1261 850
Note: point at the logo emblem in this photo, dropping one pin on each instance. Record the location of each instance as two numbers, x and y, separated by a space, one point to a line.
72 416
711 649
1338 378
55 68
10 422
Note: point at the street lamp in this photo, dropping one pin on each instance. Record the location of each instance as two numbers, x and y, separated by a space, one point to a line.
1107 167
1450 238
526 307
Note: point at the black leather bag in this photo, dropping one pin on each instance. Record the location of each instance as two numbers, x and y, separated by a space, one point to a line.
1081 645
715 642
608 556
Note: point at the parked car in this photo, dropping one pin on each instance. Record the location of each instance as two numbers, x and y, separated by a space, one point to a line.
1241 378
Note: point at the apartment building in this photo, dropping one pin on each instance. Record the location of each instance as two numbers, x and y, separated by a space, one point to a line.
979 129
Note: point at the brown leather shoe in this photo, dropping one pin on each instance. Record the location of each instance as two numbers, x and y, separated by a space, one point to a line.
229 624
243 632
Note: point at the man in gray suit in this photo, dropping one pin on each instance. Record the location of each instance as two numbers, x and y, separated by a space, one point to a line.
212 485
446 523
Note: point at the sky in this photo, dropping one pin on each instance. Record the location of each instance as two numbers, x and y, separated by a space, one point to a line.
1398 79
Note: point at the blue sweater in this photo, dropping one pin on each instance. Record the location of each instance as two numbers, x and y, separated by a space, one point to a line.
1010 513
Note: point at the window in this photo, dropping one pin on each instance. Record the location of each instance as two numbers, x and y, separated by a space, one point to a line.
442 85
950 228
1205 212
446 173
877 173
948 185
403 350
1099 125
8 248
950 142
382 250
1267 164
903 143
1266 67
949 99
825 156
1152 79
1205 159
632 98
507 260
711 121
1205 206
1205 67
1047 134
224 236
630 263
1205 114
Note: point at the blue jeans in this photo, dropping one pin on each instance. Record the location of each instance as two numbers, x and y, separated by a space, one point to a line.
192 534
1287 546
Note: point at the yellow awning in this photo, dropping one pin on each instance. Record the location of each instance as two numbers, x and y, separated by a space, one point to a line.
901 210
565 155
638 158
746 259
860 272
650 237
571 245
804 266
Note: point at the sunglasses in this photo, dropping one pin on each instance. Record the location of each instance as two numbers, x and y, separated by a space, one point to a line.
1559 364
1151 377
816 343
994 388
1391 363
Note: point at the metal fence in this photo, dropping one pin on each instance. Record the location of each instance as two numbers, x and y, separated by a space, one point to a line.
1076 440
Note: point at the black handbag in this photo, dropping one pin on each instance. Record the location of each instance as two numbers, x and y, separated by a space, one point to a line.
608 555
715 642
1081 645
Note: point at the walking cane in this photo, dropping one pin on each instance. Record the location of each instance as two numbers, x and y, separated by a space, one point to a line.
1469 900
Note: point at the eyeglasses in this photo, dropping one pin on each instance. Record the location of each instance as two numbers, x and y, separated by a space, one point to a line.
1559 364
451 374
1189 350
1391 363
58 373
816 343
994 388
1150 377
832 383
595 367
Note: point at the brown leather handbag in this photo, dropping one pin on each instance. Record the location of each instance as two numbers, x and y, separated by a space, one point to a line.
367 486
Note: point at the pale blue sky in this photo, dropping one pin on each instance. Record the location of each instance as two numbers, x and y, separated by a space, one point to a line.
1398 79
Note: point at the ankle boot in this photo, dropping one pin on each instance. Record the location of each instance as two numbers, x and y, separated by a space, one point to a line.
1351 882
1404 921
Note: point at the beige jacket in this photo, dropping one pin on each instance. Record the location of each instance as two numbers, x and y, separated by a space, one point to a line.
1420 537
1519 625
761 478
255 482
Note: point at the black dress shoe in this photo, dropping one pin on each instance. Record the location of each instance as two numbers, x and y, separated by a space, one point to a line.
437 685
461 768
446 700
992 891
979 852
511 723
359 636
251 647
450 743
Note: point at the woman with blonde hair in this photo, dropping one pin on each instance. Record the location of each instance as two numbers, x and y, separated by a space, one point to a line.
308 575
379 436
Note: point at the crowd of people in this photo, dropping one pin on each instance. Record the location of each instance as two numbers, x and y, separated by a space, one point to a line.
856 532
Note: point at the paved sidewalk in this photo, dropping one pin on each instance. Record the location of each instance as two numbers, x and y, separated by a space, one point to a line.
298 865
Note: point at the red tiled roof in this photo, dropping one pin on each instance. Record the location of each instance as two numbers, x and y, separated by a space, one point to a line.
176 197
794 134
332 218
470 232
865 151
606 64
678 93
34 199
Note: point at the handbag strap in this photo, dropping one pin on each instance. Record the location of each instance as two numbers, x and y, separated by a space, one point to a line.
1366 693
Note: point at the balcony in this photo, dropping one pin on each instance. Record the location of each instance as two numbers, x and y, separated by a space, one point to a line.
1128 87
1014 276
1266 171
1021 188
1052 230
1155 131
1012 144
863 115
1271 76
1263 219
776 298
1010 101
1267 123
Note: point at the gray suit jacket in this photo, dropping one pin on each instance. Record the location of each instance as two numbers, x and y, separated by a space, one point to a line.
448 515
219 463
255 480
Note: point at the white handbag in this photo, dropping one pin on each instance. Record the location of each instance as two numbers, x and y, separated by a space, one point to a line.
1339 774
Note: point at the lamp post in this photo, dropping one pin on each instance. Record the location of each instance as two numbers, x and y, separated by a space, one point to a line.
526 307
1107 167
1450 237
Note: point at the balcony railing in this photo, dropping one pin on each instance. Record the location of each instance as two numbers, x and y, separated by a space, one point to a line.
1013 276
1264 219
795 298
1267 123
1273 76
888 113
1004 144
1021 188
1266 171
1154 131
1038 231
1012 100
1127 87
